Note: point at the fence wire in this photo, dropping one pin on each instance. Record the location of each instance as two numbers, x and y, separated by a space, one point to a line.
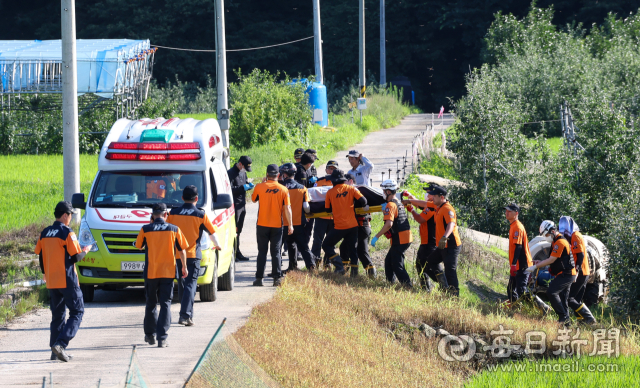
226 364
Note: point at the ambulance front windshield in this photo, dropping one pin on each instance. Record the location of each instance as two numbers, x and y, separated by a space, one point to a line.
145 188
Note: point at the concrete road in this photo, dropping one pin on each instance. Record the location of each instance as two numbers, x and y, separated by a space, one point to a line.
113 323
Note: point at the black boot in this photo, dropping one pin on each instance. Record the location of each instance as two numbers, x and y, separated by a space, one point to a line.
239 255
371 271
339 266
584 315
442 281
453 291
354 271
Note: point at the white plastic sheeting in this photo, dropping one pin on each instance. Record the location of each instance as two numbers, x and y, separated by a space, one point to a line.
105 66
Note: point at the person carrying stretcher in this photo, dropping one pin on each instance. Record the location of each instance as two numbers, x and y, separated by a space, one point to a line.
340 200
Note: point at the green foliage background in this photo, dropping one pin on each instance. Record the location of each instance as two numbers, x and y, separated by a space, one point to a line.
537 67
433 43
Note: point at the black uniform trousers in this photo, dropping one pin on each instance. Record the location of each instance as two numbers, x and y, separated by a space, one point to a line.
448 257
517 285
364 237
187 286
320 230
576 292
349 239
422 267
558 294
63 330
269 240
239 214
158 291
394 264
298 242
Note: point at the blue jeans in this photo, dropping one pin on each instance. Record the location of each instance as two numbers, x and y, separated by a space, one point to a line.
187 286
158 291
63 330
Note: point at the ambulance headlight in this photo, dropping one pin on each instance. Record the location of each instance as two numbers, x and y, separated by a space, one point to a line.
86 272
205 241
85 237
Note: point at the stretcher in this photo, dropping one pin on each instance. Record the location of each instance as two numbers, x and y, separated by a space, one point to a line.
317 195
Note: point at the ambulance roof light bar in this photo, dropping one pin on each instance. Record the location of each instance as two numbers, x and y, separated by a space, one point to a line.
153 151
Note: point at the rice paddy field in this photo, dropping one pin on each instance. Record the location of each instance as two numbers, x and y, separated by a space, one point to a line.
31 185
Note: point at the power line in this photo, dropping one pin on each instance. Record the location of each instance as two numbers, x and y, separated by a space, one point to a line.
245 49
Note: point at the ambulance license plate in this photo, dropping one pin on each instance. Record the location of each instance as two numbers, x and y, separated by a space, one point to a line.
132 266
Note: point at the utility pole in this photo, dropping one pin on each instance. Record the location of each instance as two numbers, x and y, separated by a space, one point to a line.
70 146
383 46
362 75
221 79
317 32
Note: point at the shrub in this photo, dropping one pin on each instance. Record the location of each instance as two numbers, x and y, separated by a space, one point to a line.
503 156
265 109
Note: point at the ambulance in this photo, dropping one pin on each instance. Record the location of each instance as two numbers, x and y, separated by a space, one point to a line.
143 162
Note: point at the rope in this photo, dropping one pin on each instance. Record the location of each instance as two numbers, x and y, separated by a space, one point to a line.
246 49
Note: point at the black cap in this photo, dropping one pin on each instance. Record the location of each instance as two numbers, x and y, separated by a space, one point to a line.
159 208
353 154
337 176
312 152
513 207
64 207
429 186
246 162
437 190
190 193
272 169
298 153
307 158
349 176
332 163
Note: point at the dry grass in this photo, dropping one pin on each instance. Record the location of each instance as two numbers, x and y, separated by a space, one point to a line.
327 331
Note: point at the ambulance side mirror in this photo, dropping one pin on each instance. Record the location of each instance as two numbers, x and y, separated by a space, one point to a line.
224 201
77 201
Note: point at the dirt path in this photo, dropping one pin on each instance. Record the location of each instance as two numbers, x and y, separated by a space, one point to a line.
113 323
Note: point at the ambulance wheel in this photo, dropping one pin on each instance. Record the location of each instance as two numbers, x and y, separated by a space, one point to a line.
88 293
209 292
227 280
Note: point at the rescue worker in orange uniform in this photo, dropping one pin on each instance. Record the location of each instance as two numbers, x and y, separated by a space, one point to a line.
298 240
364 238
58 251
340 201
519 254
426 219
448 241
324 224
274 202
562 266
570 230
397 223
160 240
192 222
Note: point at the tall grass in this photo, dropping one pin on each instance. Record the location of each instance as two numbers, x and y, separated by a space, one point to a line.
33 184
331 331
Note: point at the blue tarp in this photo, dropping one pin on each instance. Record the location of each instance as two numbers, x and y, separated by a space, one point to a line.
101 63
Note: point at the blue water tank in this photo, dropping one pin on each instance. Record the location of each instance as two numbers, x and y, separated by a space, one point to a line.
317 93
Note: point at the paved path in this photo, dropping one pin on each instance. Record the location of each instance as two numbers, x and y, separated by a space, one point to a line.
113 323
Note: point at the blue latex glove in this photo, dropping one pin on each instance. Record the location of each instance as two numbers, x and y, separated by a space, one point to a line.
313 179
374 241
248 186
384 206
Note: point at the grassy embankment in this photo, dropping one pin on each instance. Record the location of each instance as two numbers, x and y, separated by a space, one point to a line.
329 331
333 331
35 182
